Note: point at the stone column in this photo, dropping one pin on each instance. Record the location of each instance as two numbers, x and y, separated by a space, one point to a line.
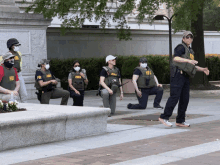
30 30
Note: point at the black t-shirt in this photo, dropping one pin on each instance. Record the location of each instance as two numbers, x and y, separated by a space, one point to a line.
180 50
103 73
39 75
137 72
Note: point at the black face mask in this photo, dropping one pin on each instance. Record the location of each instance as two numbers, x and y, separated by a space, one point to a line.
8 64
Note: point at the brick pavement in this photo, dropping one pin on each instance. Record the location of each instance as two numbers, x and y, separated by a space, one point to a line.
197 134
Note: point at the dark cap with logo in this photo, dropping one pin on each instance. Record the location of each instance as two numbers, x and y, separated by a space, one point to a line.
143 59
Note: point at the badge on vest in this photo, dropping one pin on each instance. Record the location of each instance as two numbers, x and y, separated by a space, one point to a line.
39 77
148 72
191 56
49 75
11 78
78 77
113 74
16 58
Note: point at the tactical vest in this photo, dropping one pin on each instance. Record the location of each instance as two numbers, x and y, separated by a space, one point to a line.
17 60
77 81
113 76
9 79
146 80
46 76
190 69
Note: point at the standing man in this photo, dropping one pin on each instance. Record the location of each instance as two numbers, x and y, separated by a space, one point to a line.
145 84
9 81
110 80
13 46
184 67
46 85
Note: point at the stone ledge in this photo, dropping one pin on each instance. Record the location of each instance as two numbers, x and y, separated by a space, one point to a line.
49 123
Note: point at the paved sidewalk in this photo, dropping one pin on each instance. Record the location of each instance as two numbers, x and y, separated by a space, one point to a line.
136 142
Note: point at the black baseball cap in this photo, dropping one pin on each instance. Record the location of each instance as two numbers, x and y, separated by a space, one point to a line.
143 59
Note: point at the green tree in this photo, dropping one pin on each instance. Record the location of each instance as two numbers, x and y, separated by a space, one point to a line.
189 16
211 17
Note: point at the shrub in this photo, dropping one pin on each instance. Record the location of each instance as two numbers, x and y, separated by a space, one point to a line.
213 63
126 64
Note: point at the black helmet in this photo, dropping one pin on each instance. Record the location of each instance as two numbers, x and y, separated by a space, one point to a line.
11 42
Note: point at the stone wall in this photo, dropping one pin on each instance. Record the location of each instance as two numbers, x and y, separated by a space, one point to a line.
95 43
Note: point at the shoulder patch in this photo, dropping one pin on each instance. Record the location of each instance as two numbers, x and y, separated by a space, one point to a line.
16 58
39 77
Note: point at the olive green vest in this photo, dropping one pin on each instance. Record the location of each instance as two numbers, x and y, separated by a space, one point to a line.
113 76
47 76
17 59
146 80
77 81
190 69
9 79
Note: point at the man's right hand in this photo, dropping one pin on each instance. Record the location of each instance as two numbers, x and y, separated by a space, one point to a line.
53 81
14 93
77 92
194 62
110 92
139 93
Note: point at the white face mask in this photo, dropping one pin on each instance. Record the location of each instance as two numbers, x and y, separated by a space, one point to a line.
77 68
47 66
144 65
16 48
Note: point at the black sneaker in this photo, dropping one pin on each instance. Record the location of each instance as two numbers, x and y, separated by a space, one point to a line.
158 107
129 105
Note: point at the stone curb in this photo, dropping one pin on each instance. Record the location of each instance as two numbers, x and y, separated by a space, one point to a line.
42 124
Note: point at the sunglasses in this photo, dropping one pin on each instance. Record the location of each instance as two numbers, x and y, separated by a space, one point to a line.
11 58
187 37
76 65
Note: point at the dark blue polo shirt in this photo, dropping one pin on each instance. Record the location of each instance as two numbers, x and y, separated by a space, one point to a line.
180 50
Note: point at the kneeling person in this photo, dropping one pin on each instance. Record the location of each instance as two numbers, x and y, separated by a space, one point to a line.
9 81
145 84
77 80
110 80
46 85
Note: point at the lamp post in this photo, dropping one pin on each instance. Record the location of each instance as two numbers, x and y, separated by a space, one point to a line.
161 17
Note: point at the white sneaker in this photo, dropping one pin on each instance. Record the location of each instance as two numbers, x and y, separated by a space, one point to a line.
183 124
165 122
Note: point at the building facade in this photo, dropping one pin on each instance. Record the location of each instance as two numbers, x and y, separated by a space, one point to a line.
146 39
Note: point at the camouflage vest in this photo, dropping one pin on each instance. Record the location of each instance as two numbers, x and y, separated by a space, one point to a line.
9 79
77 81
190 69
146 80
113 76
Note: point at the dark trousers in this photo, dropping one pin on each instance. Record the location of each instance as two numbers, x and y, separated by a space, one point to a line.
158 91
179 91
54 94
77 99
